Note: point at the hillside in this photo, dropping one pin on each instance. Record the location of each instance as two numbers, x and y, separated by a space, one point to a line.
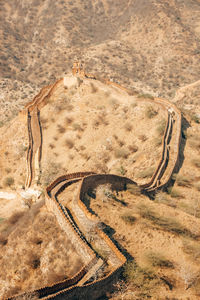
152 46
98 167
99 151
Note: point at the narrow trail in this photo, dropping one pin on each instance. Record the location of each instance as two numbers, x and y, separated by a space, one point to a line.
75 219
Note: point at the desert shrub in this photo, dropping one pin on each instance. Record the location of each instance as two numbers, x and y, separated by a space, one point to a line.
69 143
51 146
33 260
142 137
8 170
150 112
16 216
9 181
94 88
195 118
196 162
128 219
192 249
133 148
3 239
61 129
133 189
147 173
174 193
158 260
121 170
157 141
161 127
121 153
197 186
69 120
143 280
182 180
128 126
121 143
77 126
162 197
167 224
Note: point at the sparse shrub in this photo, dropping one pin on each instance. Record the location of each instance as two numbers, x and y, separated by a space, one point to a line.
122 171
128 219
94 88
150 112
197 186
69 120
121 143
133 189
192 249
128 126
174 193
147 173
158 260
161 127
196 162
133 148
168 224
52 146
162 197
61 129
9 181
69 143
76 126
15 217
8 170
121 153
3 240
142 137
195 118
157 141
143 280
33 260
182 180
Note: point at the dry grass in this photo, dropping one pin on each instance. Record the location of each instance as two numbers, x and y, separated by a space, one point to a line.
133 189
147 173
196 162
182 180
142 137
156 259
174 192
61 129
166 223
121 153
144 282
133 148
161 127
9 181
128 126
69 143
150 112
128 219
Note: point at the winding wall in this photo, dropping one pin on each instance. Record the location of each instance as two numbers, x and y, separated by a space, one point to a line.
162 174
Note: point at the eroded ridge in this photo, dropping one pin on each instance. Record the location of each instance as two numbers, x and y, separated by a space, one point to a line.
76 219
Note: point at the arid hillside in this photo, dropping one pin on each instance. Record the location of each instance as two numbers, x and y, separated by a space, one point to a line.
100 149
95 204
152 46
